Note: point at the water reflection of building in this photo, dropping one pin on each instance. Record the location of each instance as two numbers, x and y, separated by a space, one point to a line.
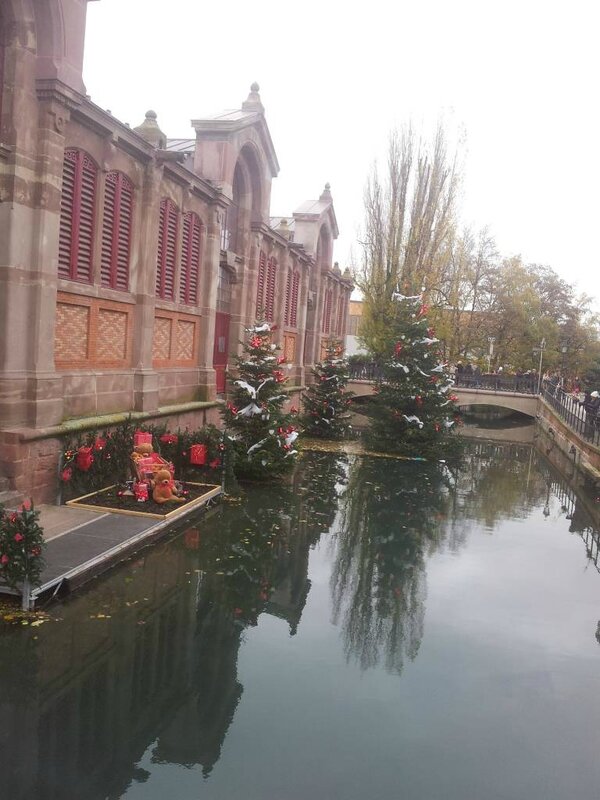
148 657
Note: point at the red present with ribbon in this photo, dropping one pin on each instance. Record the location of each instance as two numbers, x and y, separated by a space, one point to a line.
142 437
198 453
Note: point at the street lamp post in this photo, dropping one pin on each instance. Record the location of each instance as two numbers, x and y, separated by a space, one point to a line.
564 349
491 340
540 349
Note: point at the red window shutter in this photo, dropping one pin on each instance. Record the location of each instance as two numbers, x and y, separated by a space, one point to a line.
327 311
67 203
78 204
116 231
167 247
270 290
294 303
260 284
288 298
189 273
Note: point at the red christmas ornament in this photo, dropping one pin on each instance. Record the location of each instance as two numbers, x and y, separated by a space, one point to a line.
398 348
66 474
99 444
437 427
169 438
5 559
293 410
84 458
423 310
18 537
431 332
281 360
419 400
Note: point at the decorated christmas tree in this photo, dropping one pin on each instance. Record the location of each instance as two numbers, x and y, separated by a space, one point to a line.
21 546
326 402
415 413
262 434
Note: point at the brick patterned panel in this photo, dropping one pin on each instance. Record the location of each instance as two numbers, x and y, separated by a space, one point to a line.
289 348
111 343
71 338
161 342
186 332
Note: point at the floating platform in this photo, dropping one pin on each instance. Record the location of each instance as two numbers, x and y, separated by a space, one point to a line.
86 550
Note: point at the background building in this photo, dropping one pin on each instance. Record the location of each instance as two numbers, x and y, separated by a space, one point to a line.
130 263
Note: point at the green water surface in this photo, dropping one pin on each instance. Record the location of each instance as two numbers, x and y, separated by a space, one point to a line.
378 629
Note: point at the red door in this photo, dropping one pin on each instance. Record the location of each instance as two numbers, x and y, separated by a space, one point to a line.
221 349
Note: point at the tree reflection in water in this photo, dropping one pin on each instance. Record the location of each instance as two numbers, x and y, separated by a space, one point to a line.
143 667
392 518
397 514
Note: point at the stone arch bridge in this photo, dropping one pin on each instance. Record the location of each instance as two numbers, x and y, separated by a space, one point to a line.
515 401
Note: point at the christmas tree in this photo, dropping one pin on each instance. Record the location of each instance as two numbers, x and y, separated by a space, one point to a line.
21 546
262 434
326 401
415 412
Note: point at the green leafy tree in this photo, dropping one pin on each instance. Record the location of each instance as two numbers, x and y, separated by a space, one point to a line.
263 436
415 409
326 402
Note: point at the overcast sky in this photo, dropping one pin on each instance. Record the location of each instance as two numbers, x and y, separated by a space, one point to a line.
520 78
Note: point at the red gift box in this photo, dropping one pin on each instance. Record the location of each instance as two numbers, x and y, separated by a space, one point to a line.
198 453
141 437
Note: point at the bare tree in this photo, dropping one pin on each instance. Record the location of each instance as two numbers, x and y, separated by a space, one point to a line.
409 221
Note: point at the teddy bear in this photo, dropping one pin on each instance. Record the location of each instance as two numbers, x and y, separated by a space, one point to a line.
164 488
146 463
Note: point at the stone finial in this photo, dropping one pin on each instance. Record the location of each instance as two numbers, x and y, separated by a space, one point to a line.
336 268
347 274
150 131
326 194
253 103
284 228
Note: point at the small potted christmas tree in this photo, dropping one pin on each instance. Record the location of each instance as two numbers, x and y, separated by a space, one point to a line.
326 402
262 435
21 546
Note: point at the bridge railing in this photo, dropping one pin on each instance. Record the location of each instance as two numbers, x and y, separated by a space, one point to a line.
523 384
571 411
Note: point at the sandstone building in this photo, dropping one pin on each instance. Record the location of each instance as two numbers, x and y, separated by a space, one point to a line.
130 263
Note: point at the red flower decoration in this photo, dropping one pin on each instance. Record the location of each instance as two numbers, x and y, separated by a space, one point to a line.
84 458
99 444
255 341
398 348
26 506
5 559
18 537
169 438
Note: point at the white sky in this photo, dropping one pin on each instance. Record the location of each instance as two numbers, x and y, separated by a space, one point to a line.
521 78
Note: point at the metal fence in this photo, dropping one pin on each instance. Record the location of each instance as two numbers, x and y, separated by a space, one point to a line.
570 410
522 384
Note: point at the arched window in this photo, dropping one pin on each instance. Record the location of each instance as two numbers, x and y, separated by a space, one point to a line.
189 273
327 311
77 212
116 231
291 298
168 225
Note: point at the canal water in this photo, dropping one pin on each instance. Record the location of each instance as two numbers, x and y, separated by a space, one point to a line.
378 629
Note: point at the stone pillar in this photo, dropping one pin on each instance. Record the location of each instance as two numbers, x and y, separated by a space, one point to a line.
209 282
145 377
